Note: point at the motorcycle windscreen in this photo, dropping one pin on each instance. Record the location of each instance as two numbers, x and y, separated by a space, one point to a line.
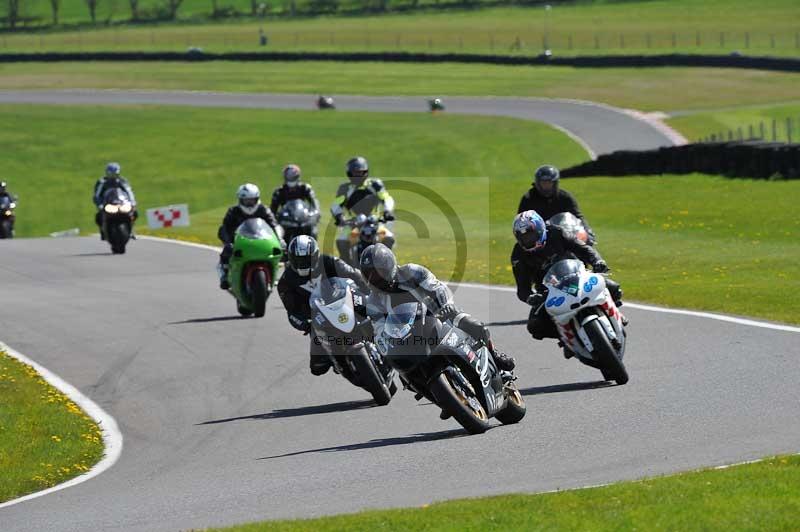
115 196
255 229
565 275
567 221
298 212
400 320
330 290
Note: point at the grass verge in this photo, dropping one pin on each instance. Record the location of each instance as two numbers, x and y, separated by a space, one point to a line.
641 27
648 89
758 496
63 442
745 122
692 241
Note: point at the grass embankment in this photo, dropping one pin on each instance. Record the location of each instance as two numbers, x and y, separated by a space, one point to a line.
745 121
63 442
662 26
648 89
760 496
691 241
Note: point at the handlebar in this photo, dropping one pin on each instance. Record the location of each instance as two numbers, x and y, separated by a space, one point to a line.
353 222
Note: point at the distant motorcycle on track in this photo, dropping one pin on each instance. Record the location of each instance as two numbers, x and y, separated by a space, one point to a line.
325 102
253 266
297 218
7 217
367 230
117 217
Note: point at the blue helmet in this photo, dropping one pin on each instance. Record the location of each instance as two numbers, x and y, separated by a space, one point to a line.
113 170
530 231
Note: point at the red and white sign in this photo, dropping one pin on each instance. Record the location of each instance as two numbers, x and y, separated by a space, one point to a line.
169 216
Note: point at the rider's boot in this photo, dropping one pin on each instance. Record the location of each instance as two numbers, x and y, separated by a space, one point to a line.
503 361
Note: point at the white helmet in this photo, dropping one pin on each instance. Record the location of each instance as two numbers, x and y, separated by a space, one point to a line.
249 198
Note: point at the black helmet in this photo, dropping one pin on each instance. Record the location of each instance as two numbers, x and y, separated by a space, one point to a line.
546 174
379 266
303 255
357 170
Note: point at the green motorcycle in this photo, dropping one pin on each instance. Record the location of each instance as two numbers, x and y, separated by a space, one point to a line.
254 266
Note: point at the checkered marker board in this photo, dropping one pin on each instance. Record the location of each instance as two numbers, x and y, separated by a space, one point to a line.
169 216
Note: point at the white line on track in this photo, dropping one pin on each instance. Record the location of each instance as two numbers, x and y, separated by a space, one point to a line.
112 437
650 308
589 151
500 288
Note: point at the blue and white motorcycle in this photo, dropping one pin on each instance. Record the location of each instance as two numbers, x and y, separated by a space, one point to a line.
588 321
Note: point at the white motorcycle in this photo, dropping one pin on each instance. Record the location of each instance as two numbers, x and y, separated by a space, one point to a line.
338 317
588 321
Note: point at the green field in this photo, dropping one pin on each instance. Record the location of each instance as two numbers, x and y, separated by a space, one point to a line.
655 26
747 121
63 442
649 89
760 496
704 243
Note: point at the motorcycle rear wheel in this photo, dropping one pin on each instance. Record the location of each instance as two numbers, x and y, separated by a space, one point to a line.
459 402
612 367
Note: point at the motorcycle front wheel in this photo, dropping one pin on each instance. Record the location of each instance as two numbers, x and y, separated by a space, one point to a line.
611 366
458 399
370 379
6 229
258 293
515 407
118 235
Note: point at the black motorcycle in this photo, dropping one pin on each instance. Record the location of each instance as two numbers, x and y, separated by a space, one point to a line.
325 102
340 325
436 105
117 217
366 231
7 217
297 217
448 367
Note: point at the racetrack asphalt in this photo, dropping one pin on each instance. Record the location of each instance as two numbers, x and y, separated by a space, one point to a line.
600 128
223 423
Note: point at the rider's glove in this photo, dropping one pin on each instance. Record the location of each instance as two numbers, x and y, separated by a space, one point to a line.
338 220
388 216
535 299
447 312
600 266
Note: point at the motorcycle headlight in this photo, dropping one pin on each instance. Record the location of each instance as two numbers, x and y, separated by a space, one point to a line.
12 205
111 209
125 207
